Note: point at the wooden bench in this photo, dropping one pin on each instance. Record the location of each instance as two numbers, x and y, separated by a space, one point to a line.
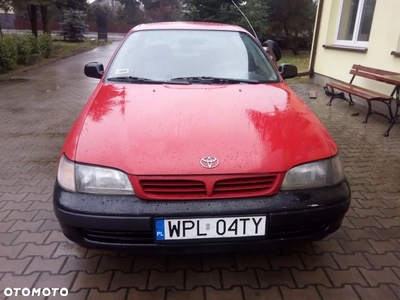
363 93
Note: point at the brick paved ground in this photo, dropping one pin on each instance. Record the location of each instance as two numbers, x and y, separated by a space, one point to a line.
360 261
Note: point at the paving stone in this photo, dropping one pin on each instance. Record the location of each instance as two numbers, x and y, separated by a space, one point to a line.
327 246
49 225
88 265
196 294
14 281
55 236
21 215
357 234
383 260
31 237
69 249
365 222
11 251
373 293
129 280
317 276
309 293
44 251
39 264
351 260
96 295
210 278
258 294
150 262
319 260
385 246
390 212
284 261
245 278
376 277
387 233
158 279
108 263
219 261
361 245
158 294
346 292
177 262
212 294
389 222
99 281
343 277
281 277
21 225
56 281
5 226
16 266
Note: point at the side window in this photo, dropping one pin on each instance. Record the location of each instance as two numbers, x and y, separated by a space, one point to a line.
258 63
355 22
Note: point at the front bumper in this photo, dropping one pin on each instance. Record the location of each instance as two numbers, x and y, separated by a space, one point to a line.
127 222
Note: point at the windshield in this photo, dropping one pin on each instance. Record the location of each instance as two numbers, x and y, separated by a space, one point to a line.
163 55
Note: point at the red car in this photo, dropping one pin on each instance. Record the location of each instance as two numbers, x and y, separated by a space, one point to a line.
193 141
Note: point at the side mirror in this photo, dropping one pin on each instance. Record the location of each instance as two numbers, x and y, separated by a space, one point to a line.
288 71
94 70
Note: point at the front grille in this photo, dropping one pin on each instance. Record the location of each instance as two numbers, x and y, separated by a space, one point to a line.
245 185
118 237
174 188
208 187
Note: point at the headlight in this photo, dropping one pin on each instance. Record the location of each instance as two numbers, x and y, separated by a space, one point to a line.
92 179
321 173
66 174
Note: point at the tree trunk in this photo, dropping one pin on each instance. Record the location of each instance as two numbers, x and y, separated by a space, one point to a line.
44 10
32 9
295 43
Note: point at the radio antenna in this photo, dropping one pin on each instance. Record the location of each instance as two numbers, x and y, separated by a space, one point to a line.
255 34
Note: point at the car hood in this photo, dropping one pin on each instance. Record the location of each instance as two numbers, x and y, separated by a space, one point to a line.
167 129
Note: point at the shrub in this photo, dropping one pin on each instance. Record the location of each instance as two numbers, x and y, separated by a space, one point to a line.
45 42
35 54
24 49
73 26
8 53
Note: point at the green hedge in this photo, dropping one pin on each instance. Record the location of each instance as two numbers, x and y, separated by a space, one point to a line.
8 53
23 49
45 45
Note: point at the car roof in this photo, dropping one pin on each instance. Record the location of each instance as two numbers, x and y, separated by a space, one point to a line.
187 25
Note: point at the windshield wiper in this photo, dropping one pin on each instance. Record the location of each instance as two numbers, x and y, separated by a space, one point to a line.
132 79
210 80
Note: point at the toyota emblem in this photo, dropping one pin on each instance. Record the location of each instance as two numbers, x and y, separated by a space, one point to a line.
209 162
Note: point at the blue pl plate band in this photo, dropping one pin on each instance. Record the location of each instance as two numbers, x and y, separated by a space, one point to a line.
160 231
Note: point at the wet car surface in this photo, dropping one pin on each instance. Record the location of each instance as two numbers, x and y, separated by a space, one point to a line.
185 145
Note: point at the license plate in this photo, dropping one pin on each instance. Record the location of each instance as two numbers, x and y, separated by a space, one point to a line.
209 228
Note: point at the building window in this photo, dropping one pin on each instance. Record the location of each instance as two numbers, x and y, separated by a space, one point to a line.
355 21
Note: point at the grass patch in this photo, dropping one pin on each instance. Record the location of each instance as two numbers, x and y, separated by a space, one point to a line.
61 50
301 61
65 49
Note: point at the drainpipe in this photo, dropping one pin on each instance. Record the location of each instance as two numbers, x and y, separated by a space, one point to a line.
316 36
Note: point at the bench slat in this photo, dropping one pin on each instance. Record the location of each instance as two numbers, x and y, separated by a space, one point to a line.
363 74
359 91
373 70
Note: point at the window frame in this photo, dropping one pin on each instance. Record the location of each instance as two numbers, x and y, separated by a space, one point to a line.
357 27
